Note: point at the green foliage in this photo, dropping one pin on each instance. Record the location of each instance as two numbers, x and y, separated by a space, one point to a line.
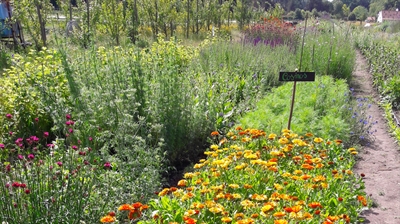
28 87
5 58
383 57
323 107
326 50
26 11
360 12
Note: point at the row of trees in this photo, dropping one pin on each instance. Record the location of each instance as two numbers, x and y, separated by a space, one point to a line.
118 18
121 18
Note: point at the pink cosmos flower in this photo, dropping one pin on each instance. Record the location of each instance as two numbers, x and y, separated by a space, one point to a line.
68 116
9 116
2 146
45 134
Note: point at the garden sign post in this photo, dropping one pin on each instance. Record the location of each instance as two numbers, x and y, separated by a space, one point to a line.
295 77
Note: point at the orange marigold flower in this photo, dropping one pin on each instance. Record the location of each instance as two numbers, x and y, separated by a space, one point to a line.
137 205
238 128
280 221
315 205
254 216
182 183
279 214
247 186
307 166
214 133
239 216
107 219
125 207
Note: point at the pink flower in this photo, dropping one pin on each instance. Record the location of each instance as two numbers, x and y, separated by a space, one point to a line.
90 139
31 156
15 184
59 163
27 191
71 130
9 116
69 122
2 146
50 145
7 185
74 147
22 185
107 165
45 134
21 157
68 116
36 119
10 133
8 168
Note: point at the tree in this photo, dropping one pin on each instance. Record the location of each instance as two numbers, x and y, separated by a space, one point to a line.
360 12
338 9
346 10
298 14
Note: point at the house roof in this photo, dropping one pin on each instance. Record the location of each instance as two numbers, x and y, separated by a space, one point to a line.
390 15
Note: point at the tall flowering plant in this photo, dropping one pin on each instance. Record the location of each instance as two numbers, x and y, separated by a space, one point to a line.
273 32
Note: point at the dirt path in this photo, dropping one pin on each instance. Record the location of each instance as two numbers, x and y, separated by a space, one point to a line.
380 161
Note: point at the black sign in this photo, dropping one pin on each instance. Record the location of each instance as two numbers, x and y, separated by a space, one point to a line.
296 76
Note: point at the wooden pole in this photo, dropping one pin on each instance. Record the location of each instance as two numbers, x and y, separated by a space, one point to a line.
294 83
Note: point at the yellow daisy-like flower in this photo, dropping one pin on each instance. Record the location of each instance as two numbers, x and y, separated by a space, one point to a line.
247 204
226 219
271 136
318 140
190 212
247 186
182 183
239 216
278 187
283 141
214 147
236 196
233 186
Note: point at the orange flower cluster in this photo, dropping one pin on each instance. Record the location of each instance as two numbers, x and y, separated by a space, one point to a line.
135 212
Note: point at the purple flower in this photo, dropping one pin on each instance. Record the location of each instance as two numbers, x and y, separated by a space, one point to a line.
20 157
10 133
71 130
45 134
31 156
59 163
74 147
68 116
9 116
2 146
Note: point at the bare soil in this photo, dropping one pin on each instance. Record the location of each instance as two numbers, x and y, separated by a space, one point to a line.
380 160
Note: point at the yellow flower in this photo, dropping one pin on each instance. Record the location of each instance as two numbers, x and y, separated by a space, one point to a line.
280 221
247 204
271 136
226 219
283 141
278 187
318 140
234 186
182 183
279 214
